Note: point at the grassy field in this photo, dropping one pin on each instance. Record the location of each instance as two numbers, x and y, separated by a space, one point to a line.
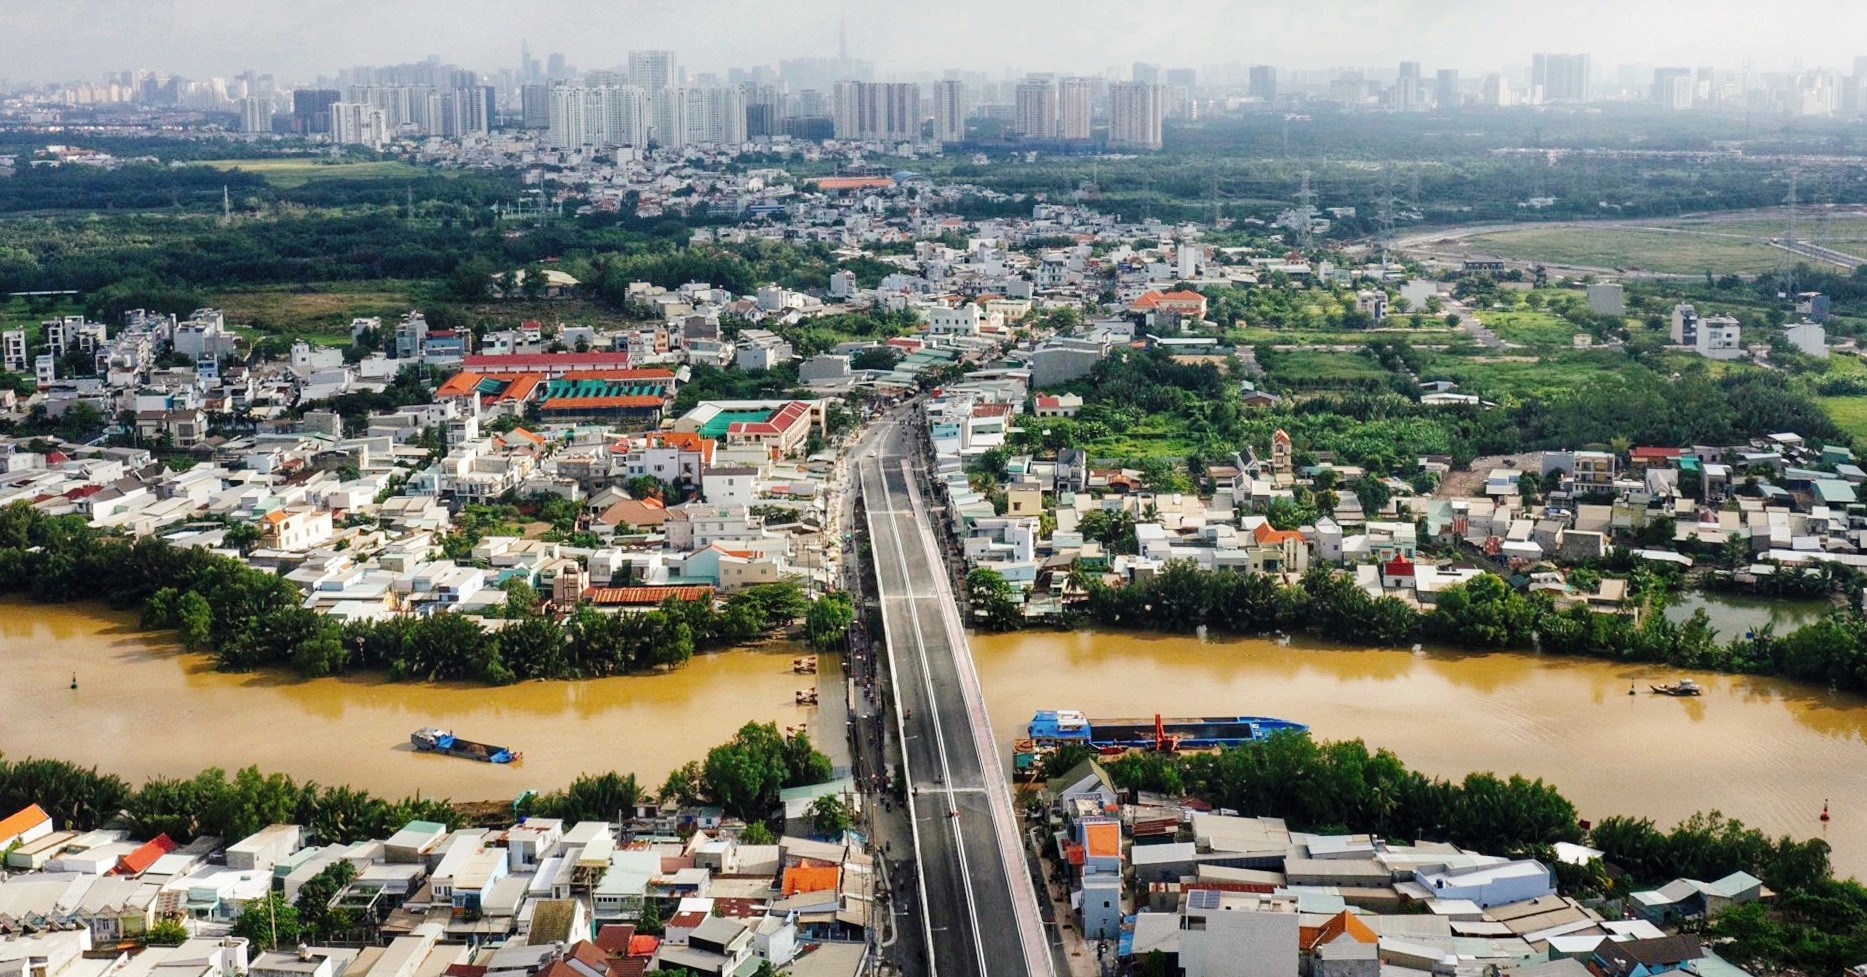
1848 413
1531 328
1317 369
288 173
1494 375
1813 227
1158 436
1424 336
1645 250
320 313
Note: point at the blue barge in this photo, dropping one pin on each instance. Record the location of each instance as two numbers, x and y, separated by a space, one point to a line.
1053 728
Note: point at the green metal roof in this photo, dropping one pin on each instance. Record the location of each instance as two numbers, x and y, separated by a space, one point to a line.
717 425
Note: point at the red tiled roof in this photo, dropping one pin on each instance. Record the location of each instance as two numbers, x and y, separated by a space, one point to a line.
1399 566
642 945
614 938
1656 452
777 422
1269 535
991 410
645 595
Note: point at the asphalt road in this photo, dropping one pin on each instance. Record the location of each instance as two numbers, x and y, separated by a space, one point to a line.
979 911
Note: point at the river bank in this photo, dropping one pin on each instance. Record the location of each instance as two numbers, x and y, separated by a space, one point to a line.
143 707
1763 750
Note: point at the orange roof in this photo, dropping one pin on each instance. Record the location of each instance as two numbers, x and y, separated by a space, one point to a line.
1102 839
1153 300
22 821
637 401
1269 535
145 855
635 512
854 183
1341 924
645 595
642 945
810 878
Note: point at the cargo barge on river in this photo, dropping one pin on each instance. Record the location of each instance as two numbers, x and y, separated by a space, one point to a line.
1052 729
433 739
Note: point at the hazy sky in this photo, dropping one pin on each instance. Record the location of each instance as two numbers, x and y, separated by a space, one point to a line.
79 39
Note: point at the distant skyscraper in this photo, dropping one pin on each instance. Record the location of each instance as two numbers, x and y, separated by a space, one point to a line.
715 116
1497 91
600 116
256 113
1073 108
1263 82
1446 89
651 70
535 106
950 111
1183 77
311 110
883 111
1145 73
1408 95
1036 105
556 68
1673 88
1560 77
1134 115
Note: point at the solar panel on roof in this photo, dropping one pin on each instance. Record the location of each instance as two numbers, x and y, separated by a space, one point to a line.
1202 899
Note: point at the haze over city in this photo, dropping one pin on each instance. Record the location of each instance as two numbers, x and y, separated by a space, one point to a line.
44 40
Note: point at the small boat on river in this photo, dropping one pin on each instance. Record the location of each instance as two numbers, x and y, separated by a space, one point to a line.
1683 687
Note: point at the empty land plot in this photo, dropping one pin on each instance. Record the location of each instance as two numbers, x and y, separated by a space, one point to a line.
1318 370
320 311
1523 376
1666 252
289 173
1530 328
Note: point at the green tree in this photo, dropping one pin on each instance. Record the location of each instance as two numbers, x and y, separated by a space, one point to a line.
830 816
166 932
268 923
756 833
990 597
242 536
828 620
194 618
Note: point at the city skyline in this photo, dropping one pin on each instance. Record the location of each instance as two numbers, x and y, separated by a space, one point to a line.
312 38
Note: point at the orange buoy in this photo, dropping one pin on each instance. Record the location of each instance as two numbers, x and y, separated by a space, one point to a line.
1824 810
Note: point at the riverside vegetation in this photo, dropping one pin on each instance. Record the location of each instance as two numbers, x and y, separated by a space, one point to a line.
251 618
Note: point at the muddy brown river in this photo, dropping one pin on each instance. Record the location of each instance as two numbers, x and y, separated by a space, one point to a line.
1763 750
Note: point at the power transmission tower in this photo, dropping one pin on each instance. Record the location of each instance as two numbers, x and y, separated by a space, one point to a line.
1384 213
1785 256
1303 217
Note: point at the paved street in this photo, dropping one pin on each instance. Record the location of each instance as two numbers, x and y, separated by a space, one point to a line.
980 911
